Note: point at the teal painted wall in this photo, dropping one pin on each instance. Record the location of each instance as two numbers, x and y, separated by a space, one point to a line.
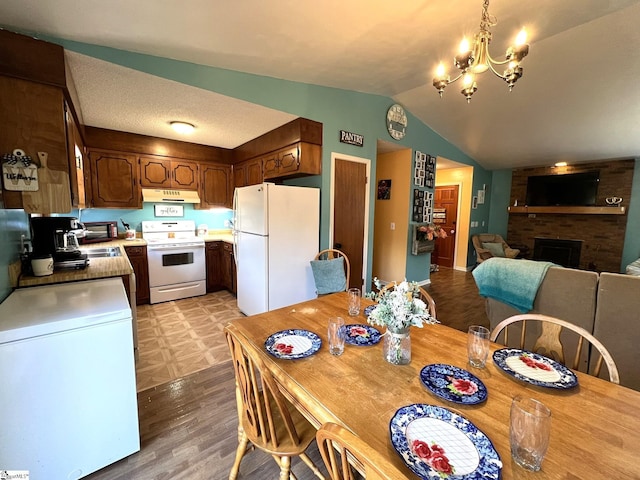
500 195
13 224
631 250
214 219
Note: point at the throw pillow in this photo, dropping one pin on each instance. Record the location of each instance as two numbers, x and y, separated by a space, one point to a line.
329 275
496 249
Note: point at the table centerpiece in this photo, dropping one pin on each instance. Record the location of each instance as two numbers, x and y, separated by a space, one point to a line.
399 307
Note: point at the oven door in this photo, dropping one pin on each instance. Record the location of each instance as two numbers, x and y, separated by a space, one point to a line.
174 264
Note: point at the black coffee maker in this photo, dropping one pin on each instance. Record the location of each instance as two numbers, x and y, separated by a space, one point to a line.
58 237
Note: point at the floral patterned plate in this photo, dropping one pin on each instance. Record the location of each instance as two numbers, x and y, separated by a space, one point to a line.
436 443
534 368
453 384
292 344
361 334
369 309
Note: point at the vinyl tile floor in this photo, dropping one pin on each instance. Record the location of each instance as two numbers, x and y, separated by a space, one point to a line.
181 337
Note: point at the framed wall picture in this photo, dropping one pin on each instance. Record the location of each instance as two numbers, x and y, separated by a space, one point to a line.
384 189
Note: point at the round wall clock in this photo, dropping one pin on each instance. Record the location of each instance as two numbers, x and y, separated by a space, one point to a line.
396 121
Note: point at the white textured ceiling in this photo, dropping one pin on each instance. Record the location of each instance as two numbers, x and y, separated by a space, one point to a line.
577 101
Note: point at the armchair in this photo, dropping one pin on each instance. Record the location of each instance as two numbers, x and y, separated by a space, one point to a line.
489 245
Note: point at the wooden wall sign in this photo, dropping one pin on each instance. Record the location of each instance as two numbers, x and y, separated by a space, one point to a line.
351 138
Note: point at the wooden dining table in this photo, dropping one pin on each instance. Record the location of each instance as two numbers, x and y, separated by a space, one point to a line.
595 426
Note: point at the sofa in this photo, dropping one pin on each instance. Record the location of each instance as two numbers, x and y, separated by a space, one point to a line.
606 304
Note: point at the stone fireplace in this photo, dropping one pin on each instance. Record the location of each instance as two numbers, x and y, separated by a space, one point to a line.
601 235
559 251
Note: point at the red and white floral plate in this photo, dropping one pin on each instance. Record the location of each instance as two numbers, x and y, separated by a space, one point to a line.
534 368
453 384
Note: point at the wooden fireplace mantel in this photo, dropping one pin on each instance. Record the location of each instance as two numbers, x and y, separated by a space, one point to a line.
570 210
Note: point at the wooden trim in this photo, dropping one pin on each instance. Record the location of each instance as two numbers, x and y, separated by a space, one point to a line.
145 145
298 130
570 210
31 59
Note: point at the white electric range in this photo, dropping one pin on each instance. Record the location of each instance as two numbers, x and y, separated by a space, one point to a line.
177 267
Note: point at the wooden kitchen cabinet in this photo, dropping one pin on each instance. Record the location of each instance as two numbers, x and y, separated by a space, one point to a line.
33 120
213 253
115 180
247 173
158 172
229 280
138 258
295 160
216 186
79 176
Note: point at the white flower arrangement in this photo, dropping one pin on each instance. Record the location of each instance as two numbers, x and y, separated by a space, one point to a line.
399 308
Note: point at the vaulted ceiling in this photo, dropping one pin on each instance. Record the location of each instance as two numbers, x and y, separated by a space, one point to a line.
578 100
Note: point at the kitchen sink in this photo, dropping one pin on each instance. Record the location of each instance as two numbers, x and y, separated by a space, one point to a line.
102 252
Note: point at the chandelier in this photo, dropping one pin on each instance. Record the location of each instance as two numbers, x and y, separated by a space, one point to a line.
474 59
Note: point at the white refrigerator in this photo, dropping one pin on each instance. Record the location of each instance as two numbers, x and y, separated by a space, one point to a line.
276 230
68 403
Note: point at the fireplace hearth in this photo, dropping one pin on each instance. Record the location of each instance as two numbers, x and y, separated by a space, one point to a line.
559 251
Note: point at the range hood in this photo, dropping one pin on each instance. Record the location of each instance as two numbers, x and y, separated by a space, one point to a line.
169 196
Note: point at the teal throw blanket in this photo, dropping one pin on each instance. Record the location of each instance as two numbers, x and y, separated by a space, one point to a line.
511 281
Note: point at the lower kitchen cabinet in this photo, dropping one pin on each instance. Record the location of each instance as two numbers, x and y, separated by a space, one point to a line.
228 268
213 252
221 267
138 258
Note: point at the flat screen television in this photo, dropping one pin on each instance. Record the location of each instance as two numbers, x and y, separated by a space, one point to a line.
571 189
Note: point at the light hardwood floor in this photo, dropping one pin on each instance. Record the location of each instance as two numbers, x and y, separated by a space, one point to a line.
188 426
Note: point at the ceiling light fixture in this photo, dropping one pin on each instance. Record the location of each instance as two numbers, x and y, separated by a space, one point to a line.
560 164
182 127
474 59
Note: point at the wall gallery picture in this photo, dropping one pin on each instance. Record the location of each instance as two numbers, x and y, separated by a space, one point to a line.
384 189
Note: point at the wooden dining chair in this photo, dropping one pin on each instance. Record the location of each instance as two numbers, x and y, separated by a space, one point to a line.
331 278
422 294
347 457
429 301
266 418
549 344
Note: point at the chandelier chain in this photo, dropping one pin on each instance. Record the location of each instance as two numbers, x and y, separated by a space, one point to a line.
487 20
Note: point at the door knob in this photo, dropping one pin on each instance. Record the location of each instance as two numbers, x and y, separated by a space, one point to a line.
337 246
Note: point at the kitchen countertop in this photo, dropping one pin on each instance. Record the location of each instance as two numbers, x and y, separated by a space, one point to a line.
107 266
97 268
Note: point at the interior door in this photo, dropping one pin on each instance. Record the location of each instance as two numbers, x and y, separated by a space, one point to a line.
349 200
445 200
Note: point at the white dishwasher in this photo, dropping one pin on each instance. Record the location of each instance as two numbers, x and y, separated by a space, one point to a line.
68 404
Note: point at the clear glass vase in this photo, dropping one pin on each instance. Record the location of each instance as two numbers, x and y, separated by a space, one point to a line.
396 346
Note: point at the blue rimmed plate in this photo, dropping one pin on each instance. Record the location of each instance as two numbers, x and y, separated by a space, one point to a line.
436 443
362 334
293 344
534 368
453 384
368 310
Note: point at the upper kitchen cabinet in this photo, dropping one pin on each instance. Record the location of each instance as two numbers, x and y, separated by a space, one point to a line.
295 160
79 173
33 94
115 182
157 172
216 186
292 150
248 173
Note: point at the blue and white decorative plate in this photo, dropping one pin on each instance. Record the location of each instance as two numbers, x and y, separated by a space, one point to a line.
369 309
293 344
436 443
453 384
362 334
534 368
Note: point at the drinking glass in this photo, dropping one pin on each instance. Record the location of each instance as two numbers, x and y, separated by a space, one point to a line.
354 301
529 432
478 345
337 334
